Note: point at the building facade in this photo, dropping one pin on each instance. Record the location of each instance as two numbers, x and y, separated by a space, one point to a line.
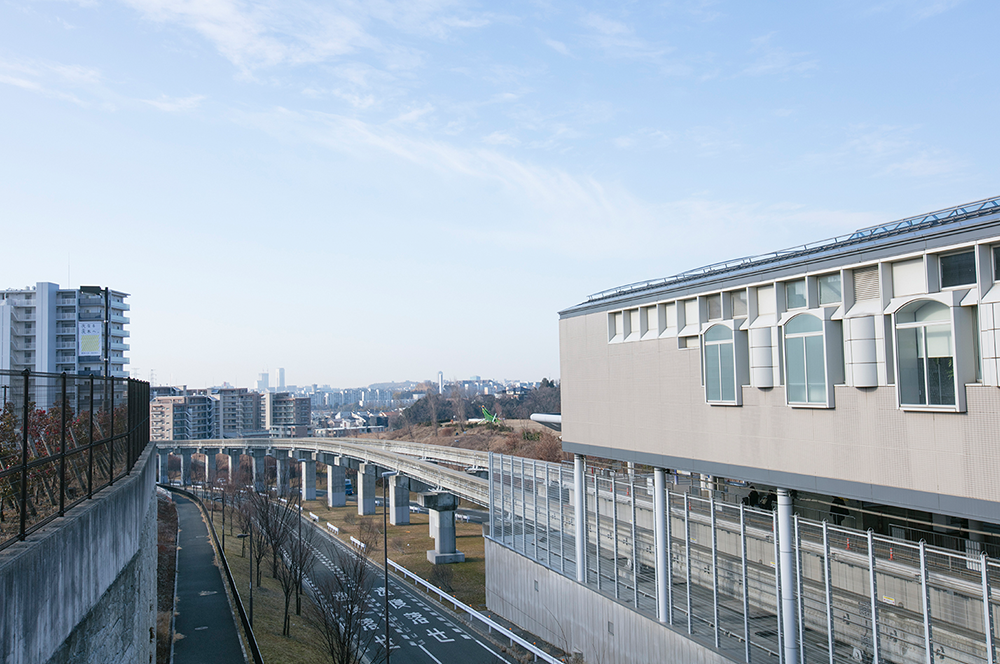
285 415
46 328
852 386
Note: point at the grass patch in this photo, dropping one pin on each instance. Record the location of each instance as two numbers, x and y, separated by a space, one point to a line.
408 546
305 645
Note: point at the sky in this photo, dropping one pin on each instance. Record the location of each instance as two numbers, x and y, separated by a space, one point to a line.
374 191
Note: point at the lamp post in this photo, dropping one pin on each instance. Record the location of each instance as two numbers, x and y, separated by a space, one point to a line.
385 550
241 536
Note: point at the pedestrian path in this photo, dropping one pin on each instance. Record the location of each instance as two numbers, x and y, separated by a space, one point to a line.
204 627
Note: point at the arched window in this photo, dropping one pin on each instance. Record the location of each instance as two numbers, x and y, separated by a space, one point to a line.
925 354
805 361
720 365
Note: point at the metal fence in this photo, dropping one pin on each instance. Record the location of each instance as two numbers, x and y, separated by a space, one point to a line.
927 604
62 438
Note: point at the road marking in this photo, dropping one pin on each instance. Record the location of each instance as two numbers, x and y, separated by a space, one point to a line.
432 656
489 651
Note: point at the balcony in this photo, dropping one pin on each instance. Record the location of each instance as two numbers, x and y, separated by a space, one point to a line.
117 345
69 316
87 315
118 318
71 345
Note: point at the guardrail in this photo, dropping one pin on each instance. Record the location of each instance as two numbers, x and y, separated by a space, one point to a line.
62 439
247 628
473 614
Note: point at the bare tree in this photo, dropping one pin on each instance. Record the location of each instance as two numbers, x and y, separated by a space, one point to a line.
342 602
295 560
273 521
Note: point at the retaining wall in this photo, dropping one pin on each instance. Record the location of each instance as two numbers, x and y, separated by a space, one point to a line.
575 618
83 589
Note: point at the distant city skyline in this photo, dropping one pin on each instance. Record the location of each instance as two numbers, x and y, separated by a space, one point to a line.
363 192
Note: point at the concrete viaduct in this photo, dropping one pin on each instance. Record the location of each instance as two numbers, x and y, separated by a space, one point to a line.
417 465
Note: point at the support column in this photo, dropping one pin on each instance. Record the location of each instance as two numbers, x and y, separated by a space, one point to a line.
307 480
281 471
233 469
257 458
366 489
164 465
336 493
660 536
185 468
210 466
441 508
580 512
399 500
789 613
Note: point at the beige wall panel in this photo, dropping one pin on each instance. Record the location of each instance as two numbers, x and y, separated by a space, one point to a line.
647 397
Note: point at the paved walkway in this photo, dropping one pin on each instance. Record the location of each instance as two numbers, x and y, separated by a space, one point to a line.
204 626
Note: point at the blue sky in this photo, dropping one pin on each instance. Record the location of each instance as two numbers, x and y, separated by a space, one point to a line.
372 191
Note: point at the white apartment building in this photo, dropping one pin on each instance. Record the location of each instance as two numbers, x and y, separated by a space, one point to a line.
46 328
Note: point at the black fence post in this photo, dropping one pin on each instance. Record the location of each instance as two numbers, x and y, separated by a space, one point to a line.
62 450
90 443
24 458
111 440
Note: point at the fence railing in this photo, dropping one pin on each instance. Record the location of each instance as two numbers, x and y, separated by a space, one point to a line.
63 438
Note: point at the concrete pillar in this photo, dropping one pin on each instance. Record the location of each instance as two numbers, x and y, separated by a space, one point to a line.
660 517
185 468
281 472
307 479
399 500
789 606
580 515
441 507
258 469
336 496
366 488
210 466
164 464
234 467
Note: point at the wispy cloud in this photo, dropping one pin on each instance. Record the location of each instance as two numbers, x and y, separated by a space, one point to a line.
51 79
915 10
619 40
889 150
175 104
771 59
557 46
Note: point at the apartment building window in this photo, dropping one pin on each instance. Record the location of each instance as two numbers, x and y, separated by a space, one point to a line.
720 365
714 304
925 355
795 294
739 303
958 269
828 287
996 263
616 326
805 360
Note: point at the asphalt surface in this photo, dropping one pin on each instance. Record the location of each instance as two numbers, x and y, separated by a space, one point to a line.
204 627
420 631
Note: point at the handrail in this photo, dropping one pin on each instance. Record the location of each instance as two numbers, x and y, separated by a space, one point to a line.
444 597
247 628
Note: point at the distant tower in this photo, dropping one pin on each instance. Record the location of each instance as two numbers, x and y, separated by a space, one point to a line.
281 380
440 382
262 382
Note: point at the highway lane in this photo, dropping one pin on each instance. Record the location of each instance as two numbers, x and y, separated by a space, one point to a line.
420 631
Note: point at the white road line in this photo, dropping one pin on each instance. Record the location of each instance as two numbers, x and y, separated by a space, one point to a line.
490 651
432 656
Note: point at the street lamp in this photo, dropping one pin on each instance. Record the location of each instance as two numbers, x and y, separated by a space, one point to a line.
385 550
241 536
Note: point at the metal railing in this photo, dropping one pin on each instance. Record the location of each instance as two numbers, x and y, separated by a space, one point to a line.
62 439
872 233
723 572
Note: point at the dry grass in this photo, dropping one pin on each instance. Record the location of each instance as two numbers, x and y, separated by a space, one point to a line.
408 546
166 563
305 643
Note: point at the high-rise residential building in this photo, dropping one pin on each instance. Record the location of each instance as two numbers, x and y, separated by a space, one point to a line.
262 382
238 413
286 416
46 328
183 417
281 380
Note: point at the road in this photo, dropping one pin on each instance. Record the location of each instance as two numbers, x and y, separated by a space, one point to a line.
420 631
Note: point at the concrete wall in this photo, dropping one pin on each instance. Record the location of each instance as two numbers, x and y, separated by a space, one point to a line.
645 402
83 589
575 618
